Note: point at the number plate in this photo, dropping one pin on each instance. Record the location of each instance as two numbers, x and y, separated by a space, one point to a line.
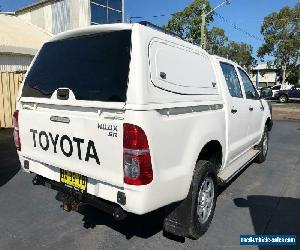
74 180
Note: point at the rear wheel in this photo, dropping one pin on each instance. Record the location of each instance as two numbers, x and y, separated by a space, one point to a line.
283 99
263 146
204 195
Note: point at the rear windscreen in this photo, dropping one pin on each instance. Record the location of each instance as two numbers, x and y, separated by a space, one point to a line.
94 67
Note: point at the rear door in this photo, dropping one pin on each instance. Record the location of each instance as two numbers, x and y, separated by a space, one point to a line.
237 112
73 103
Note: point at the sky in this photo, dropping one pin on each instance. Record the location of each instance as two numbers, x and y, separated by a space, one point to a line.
246 14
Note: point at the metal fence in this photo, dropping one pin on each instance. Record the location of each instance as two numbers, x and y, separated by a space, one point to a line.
9 87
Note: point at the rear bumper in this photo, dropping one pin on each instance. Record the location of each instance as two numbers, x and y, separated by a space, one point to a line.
139 199
105 206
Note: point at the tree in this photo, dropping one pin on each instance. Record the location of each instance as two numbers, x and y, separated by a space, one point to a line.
240 53
219 44
187 23
281 31
217 41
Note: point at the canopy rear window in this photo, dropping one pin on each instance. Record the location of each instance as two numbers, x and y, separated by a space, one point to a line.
94 67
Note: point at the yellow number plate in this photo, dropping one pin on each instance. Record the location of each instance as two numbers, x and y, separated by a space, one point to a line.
74 180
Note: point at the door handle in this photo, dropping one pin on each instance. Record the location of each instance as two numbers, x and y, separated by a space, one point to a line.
233 110
251 108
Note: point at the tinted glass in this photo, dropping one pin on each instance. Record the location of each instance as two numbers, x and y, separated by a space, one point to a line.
98 14
114 16
102 2
232 80
266 92
115 4
276 87
94 67
250 91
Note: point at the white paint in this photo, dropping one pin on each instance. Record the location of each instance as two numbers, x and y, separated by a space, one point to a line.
175 141
189 73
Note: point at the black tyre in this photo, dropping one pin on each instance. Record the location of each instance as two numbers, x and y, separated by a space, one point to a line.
283 99
263 147
203 194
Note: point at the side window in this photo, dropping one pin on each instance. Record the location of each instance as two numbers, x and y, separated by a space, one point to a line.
250 91
276 88
232 80
181 70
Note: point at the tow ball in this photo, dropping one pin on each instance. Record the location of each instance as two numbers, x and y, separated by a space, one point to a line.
69 202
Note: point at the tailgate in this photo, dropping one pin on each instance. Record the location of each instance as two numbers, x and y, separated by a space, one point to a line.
87 141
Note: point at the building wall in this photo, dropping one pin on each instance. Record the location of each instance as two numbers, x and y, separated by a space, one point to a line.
13 62
80 13
59 16
265 78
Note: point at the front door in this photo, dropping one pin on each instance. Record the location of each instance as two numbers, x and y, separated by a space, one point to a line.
254 109
294 93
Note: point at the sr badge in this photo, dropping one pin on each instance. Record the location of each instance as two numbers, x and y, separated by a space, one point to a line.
112 129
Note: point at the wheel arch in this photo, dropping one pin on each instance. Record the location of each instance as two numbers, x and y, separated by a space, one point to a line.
212 151
269 123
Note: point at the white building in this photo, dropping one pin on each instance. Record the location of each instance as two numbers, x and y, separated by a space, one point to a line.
19 42
56 16
263 75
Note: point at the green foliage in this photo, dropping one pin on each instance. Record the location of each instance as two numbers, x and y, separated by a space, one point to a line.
217 41
293 74
240 53
187 23
281 31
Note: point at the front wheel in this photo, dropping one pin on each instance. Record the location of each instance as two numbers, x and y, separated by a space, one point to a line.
263 146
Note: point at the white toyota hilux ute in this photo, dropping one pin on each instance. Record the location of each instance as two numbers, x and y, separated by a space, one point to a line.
130 118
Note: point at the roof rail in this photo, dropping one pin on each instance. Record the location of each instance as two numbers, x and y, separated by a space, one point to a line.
153 26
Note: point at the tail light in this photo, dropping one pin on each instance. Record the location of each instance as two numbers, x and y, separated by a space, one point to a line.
136 154
16 130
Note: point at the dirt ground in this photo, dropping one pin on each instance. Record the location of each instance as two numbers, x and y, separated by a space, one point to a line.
287 111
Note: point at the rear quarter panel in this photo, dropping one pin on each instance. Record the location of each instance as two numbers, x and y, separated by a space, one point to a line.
175 142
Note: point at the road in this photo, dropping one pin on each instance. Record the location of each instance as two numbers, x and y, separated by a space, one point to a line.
264 199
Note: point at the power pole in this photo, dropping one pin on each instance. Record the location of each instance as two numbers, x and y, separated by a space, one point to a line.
203 19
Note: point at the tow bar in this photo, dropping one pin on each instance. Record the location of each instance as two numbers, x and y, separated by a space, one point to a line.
71 199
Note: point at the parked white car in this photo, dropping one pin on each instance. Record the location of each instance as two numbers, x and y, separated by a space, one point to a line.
129 118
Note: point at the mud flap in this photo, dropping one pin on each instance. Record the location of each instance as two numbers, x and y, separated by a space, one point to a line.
179 217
